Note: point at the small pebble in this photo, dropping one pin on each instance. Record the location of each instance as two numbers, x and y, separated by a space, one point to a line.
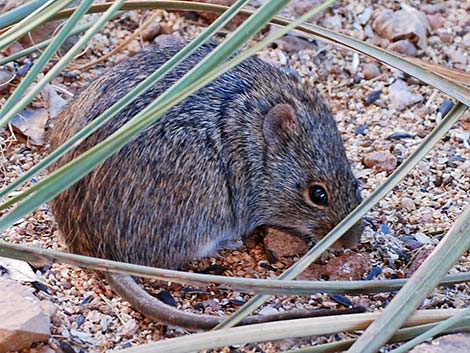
422 238
446 107
361 130
23 70
385 229
408 204
403 47
166 298
400 135
87 300
380 161
372 97
370 71
340 299
411 243
5 78
436 21
268 310
192 291
151 31
374 272
237 302
214 270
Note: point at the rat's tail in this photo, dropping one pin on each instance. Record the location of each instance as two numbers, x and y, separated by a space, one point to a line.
129 289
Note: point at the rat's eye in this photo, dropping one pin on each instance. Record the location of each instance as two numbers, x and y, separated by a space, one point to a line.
318 195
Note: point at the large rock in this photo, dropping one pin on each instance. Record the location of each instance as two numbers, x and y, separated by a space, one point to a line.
408 24
24 318
457 343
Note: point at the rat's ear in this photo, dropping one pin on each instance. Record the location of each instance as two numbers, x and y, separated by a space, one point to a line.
279 124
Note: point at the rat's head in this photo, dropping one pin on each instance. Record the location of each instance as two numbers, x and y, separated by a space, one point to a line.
310 186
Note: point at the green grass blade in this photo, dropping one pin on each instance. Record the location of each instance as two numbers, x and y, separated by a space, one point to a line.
401 335
20 12
121 104
444 256
11 106
41 15
40 45
39 255
356 215
8 112
279 330
458 319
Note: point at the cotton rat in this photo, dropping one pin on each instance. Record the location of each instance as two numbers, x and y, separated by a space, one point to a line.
254 147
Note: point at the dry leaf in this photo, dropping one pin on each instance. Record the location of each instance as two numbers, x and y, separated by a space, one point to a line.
31 124
55 103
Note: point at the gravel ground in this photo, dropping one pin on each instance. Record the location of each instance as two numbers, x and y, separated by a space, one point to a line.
399 231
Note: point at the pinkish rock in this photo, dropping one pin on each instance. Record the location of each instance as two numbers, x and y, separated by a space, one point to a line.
150 32
417 261
409 24
434 8
466 40
436 21
24 318
370 71
456 343
446 37
408 204
404 47
346 267
380 161
279 244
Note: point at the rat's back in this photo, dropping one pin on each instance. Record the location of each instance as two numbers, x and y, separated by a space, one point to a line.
164 198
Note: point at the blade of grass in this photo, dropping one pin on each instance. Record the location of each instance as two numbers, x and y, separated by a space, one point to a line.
120 104
446 253
453 89
458 319
40 45
291 287
39 16
11 105
403 334
356 215
52 185
278 330
9 111
20 12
